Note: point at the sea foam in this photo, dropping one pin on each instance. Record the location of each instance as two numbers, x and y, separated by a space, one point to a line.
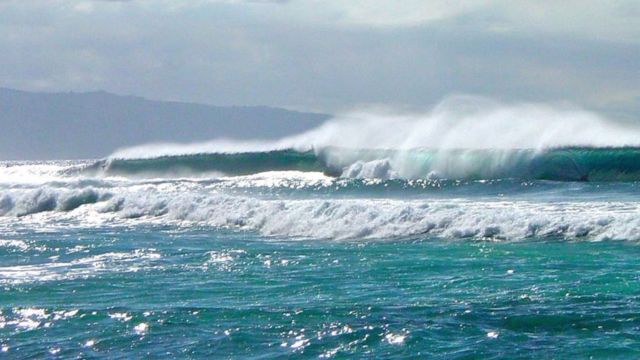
189 204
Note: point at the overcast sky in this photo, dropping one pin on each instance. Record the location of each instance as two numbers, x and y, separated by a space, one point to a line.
328 55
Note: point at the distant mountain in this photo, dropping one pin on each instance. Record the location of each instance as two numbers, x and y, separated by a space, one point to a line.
93 124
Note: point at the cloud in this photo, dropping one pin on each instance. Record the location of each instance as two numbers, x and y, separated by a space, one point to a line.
328 55
610 20
605 20
386 13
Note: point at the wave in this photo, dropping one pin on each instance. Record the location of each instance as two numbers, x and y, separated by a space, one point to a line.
457 122
244 163
462 137
458 172
560 164
331 218
48 199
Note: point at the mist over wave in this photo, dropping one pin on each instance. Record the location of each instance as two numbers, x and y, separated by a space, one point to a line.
462 137
460 122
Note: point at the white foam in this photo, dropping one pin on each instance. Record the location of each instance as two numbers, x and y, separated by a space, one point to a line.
141 328
375 169
121 316
301 215
28 318
395 339
16 244
187 204
279 179
31 173
34 200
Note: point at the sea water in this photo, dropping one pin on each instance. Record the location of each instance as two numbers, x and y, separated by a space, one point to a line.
131 260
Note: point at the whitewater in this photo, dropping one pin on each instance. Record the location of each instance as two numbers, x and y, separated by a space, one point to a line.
472 229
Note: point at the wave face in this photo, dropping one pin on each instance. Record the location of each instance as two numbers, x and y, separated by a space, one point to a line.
230 164
564 164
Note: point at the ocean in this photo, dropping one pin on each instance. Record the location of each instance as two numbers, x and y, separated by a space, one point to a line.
338 253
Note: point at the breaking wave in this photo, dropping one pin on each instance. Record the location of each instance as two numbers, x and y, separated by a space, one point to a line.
47 199
563 164
331 218
462 137
464 170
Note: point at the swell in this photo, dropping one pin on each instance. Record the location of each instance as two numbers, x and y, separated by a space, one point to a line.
560 164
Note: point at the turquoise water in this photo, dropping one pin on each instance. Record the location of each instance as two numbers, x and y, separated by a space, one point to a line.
186 262
563 164
208 293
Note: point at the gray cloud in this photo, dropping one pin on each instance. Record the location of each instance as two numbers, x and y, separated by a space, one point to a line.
326 55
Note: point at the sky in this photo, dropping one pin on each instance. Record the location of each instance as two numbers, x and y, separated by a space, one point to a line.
329 55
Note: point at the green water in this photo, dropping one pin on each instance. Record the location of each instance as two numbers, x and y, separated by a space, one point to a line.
205 293
561 164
